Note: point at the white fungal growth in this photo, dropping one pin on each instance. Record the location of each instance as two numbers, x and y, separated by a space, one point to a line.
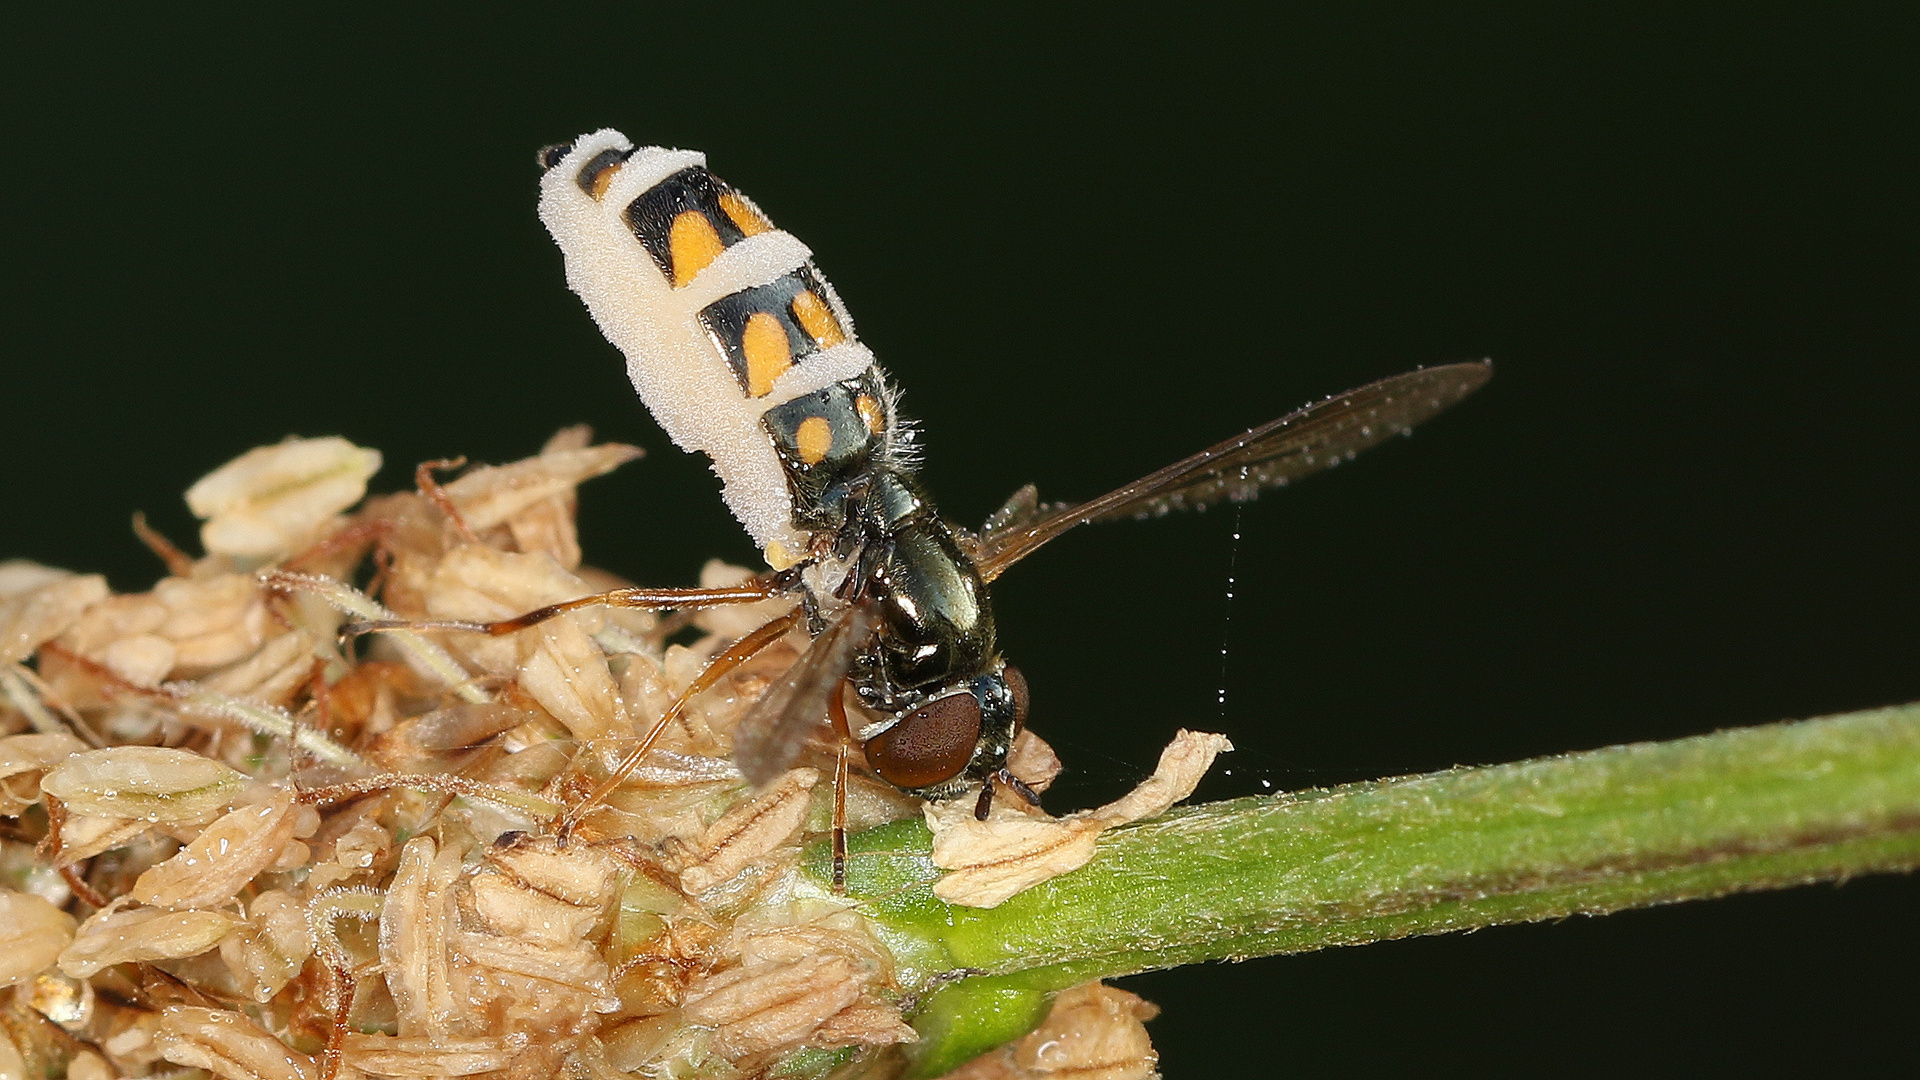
675 366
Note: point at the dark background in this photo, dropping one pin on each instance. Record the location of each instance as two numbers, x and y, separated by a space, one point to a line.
1087 244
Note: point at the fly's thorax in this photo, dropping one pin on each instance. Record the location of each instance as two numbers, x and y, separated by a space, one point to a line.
891 500
936 620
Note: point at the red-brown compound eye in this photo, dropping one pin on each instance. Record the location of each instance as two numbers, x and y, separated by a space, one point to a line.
1022 697
930 745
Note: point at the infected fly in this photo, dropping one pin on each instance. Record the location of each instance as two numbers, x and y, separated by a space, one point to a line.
742 351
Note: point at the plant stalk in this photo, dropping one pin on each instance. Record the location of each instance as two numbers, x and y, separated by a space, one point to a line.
1587 833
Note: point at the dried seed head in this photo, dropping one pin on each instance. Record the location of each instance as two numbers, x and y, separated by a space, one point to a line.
563 669
39 603
575 966
112 937
142 659
758 1008
1092 1032
147 783
228 1045
185 627
750 830
477 582
32 934
492 494
1185 760
212 621
23 758
415 926
272 500
86 835
426 1056
513 910
65 1000
269 676
266 953
578 874
223 859
1033 761
683 941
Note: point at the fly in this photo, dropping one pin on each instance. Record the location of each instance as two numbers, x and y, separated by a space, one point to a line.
743 352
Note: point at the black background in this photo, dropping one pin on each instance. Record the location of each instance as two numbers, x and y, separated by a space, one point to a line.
1088 243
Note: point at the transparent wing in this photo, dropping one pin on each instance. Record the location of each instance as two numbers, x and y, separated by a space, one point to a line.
1317 437
776 729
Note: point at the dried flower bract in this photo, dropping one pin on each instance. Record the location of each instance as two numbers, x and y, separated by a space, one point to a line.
1092 1032
151 783
273 499
1012 850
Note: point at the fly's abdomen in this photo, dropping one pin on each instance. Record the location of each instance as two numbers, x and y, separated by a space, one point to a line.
734 341
828 440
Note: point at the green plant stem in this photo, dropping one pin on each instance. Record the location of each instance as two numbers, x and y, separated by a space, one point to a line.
1589 833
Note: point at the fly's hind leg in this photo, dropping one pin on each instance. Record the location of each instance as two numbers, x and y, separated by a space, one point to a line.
750 591
736 654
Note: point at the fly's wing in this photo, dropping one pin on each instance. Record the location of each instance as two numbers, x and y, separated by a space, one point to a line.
776 729
1317 437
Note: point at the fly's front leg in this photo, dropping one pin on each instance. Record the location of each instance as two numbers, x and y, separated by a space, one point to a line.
751 591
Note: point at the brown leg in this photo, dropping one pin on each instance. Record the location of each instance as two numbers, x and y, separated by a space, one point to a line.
1014 784
738 653
747 592
335 1049
985 805
1018 787
837 712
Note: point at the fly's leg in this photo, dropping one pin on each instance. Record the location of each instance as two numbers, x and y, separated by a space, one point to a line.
736 654
747 592
837 713
1014 784
1018 786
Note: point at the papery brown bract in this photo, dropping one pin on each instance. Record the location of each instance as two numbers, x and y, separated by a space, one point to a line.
272 500
1014 849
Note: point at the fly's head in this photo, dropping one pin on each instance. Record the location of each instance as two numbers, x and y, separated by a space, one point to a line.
954 737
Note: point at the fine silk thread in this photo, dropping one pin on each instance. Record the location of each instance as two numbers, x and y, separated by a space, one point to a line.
1226 628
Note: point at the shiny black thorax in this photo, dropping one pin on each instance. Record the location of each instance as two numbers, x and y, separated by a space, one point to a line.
936 621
